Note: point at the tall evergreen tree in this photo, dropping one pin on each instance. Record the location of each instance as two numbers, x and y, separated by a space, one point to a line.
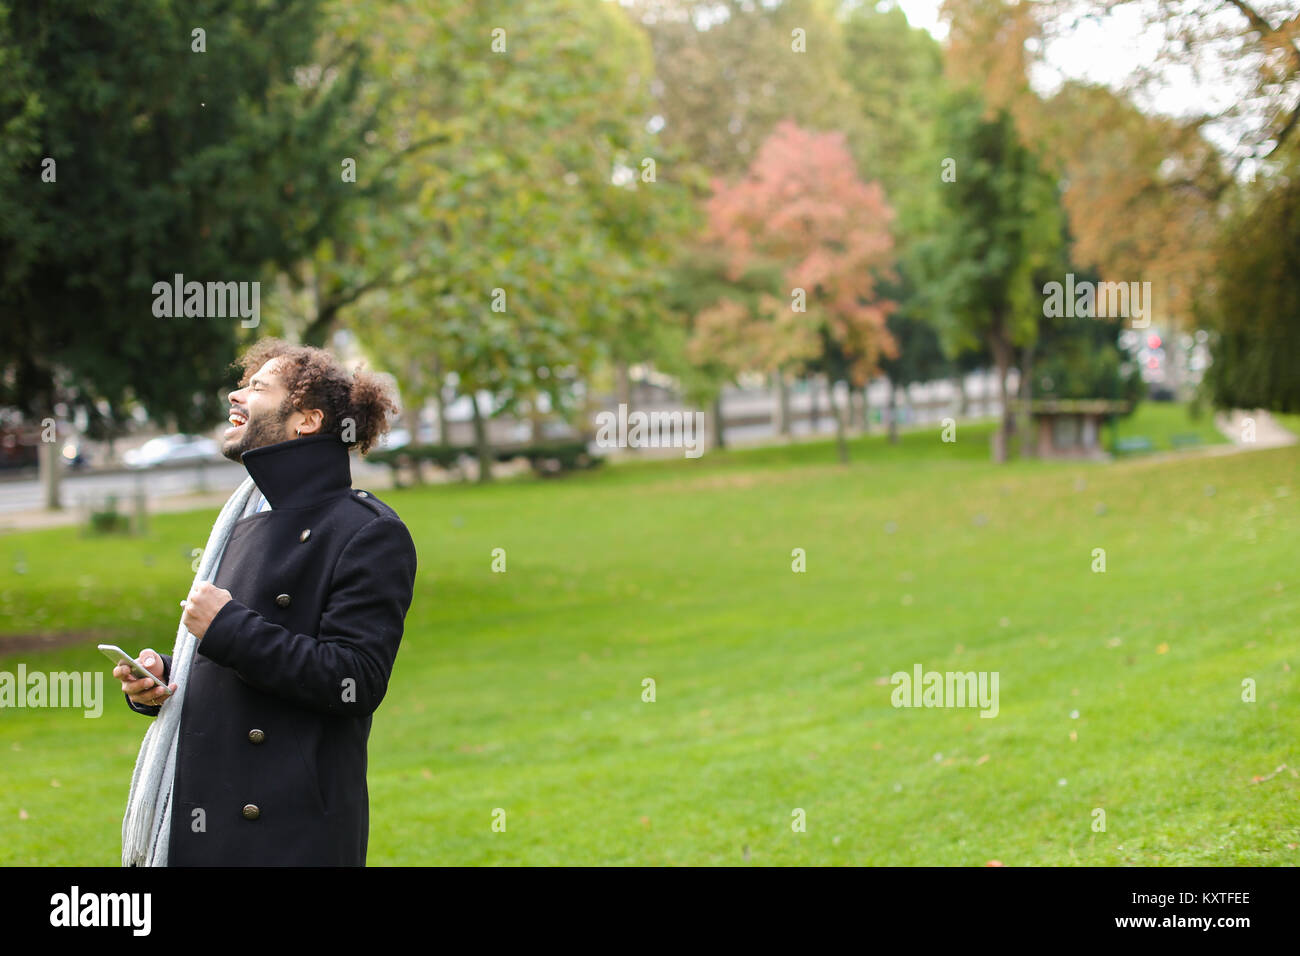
152 139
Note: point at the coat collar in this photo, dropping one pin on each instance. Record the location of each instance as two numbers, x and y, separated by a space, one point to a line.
301 471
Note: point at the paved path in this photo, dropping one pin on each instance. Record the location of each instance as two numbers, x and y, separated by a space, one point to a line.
1268 433
176 492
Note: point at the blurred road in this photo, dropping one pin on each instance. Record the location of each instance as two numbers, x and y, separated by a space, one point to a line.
77 490
166 489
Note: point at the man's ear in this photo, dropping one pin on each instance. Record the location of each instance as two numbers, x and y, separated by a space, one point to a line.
312 419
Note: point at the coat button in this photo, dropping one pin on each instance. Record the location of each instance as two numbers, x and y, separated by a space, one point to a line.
251 812
362 494
282 600
305 534
256 736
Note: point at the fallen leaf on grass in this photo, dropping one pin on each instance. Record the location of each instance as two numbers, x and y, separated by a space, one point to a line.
1259 779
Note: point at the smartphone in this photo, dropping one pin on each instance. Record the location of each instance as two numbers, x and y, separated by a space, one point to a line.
119 656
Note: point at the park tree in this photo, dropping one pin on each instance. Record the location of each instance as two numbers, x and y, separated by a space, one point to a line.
1251 47
735 322
897 75
1252 306
802 205
532 225
1158 175
728 71
215 176
895 72
725 74
920 356
145 140
1001 229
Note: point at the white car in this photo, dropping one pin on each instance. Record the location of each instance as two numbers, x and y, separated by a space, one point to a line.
401 437
394 438
171 449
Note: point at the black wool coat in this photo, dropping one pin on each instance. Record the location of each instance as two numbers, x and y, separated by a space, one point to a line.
271 764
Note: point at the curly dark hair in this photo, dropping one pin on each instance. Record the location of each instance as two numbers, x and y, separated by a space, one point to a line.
314 378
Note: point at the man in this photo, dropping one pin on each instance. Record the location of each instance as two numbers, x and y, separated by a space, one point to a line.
296 637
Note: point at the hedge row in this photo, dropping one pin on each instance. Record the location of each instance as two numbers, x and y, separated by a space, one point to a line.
547 458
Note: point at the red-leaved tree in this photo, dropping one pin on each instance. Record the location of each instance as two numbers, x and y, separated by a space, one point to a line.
802 209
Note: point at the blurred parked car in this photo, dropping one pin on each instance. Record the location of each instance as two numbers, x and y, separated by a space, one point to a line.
401 437
394 438
171 449
18 446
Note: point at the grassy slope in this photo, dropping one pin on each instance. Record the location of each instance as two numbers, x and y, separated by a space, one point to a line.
523 690
1161 421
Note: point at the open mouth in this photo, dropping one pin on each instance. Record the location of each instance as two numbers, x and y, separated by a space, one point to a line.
237 421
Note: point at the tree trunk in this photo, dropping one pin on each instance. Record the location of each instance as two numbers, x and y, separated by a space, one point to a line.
1026 385
719 427
814 418
481 441
782 404
963 407
841 443
439 387
1001 350
623 384
411 419
442 420
48 462
893 413
534 422
864 416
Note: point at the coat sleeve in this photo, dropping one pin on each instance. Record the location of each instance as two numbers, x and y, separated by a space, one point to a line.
344 669
146 709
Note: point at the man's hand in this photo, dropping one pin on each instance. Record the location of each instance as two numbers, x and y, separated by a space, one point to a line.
202 606
143 691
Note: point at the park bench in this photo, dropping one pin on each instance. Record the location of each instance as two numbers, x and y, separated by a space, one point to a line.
1126 446
1185 440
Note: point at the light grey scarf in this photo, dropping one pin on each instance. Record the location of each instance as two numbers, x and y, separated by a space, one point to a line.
146 828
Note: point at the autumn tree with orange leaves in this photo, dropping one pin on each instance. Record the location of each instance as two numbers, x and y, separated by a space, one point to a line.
802 212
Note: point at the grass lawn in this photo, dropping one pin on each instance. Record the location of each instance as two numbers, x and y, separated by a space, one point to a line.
1160 422
1119 691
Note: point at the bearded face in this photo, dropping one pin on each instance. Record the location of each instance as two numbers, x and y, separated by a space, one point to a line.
259 414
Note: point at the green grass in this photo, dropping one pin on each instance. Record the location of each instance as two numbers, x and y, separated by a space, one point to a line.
1161 421
1290 422
522 690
